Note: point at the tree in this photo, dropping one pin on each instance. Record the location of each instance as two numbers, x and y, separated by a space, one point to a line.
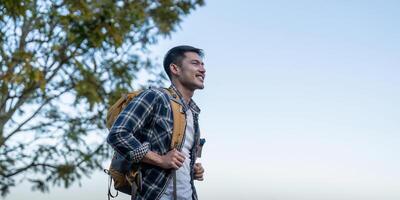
62 63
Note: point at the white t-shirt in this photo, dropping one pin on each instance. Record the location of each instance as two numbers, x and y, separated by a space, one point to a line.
184 188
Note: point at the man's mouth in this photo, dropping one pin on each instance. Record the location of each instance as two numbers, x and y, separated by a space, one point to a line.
201 77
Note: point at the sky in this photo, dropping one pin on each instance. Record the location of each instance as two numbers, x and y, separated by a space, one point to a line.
300 101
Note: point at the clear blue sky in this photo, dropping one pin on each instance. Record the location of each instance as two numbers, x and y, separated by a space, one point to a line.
301 101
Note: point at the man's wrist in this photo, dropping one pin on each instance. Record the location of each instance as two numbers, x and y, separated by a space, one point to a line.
137 155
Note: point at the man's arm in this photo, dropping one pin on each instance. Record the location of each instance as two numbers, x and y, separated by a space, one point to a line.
131 119
173 159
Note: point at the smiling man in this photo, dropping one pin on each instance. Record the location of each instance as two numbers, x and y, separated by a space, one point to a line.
142 132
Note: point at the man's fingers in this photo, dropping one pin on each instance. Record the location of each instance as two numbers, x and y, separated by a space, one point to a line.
198 168
199 177
198 165
177 162
173 159
174 166
199 171
179 155
180 158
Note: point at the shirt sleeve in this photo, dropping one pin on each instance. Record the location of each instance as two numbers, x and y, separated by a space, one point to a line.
130 120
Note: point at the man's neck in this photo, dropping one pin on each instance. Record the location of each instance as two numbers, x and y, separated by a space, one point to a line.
186 93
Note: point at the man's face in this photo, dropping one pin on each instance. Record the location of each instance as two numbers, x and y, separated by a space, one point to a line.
192 71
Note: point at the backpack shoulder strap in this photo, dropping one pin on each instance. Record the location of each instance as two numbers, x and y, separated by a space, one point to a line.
179 120
177 131
179 124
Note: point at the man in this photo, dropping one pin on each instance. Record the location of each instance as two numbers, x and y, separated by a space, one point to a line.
142 132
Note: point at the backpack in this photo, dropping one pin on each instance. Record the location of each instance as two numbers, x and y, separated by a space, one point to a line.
125 174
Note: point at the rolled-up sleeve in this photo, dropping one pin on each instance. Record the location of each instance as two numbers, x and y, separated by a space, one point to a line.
131 119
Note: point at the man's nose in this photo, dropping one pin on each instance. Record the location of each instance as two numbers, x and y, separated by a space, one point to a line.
202 68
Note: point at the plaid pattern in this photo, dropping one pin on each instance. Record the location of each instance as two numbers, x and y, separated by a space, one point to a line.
146 124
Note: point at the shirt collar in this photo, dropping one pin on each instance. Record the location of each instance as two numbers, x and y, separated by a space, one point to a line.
192 105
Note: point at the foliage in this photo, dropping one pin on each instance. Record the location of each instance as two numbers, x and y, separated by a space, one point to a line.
61 63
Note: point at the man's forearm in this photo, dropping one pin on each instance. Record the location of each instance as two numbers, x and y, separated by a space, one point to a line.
152 158
173 159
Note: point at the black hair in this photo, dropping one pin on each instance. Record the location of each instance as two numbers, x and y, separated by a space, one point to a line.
176 55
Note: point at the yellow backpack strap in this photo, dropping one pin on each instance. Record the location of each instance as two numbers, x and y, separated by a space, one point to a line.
179 124
179 120
177 131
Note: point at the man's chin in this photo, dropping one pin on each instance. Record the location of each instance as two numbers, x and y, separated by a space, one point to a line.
195 86
200 87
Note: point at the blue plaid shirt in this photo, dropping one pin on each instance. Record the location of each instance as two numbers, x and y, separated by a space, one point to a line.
146 125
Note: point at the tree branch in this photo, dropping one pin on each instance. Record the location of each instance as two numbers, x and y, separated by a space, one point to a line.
25 28
27 167
31 128
62 62
33 115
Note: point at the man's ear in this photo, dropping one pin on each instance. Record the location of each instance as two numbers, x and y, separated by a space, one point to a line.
175 70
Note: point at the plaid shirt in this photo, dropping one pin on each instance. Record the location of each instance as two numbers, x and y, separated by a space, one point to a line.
146 125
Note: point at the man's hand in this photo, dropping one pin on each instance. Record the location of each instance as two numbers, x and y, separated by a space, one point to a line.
198 172
173 159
